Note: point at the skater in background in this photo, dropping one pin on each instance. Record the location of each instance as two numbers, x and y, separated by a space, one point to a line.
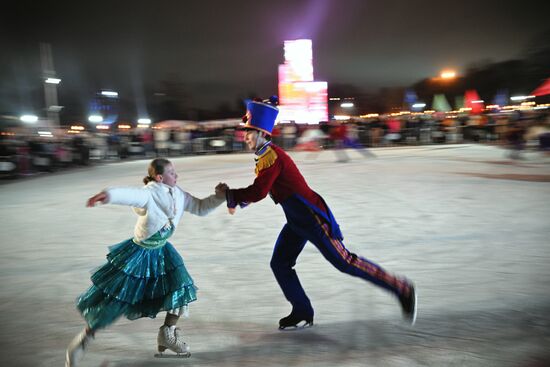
516 139
344 136
308 219
352 141
338 135
310 141
144 275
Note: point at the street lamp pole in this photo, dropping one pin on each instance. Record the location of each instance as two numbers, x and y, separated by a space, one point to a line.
50 84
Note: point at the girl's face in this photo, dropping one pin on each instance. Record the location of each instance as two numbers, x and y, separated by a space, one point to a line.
169 177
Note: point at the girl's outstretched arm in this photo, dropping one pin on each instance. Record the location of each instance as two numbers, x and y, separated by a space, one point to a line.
204 206
101 197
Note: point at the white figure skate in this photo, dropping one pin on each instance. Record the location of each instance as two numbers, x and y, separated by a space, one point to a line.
76 348
171 337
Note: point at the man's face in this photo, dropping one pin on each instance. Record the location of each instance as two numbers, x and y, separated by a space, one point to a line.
251 138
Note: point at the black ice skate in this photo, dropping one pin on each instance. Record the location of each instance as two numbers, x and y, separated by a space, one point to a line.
408 305
294 322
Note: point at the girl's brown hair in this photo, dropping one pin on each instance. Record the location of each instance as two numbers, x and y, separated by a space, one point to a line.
156 167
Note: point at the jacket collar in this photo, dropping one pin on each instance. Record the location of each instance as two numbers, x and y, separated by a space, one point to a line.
159 186
261 150
162 198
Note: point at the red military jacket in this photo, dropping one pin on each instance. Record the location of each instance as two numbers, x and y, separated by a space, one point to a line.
276 174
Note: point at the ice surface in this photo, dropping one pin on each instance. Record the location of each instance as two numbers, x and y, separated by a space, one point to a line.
476 243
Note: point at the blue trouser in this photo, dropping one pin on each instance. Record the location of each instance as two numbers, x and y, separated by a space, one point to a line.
303 225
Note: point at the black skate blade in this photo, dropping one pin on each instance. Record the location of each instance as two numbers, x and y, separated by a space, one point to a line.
300 326
170 355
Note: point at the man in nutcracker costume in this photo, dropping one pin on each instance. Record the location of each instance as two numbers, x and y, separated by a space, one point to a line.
308 219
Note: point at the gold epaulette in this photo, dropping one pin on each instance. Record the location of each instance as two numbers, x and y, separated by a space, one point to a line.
266 160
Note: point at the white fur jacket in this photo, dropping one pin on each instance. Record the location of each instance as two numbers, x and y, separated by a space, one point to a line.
156 205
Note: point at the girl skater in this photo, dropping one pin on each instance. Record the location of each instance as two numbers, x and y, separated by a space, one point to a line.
144 275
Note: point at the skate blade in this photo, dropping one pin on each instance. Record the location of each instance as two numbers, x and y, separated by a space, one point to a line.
300 326
169 355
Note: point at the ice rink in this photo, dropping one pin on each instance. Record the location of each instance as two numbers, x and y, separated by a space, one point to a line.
468 226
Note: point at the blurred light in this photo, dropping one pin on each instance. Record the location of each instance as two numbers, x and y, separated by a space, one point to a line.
143 126
298 49
77 127
46 134
492 106
341 117
296 85
334 99
217 143
144 121
53 81
108 93
521 98
369 115
102 127
347 105
418 105
95 119
124 127
55 108
29 118
448 74
478 101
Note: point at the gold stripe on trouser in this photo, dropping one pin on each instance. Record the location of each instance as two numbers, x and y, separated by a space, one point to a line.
374 271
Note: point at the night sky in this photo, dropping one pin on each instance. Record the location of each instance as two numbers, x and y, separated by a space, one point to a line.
224 50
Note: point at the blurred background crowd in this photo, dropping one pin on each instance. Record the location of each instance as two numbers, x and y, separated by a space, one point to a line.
28 151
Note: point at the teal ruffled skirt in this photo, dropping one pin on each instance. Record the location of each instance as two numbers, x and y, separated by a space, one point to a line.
136 282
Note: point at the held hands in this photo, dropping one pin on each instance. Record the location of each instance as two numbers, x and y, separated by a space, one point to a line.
220 189
231 204
102 197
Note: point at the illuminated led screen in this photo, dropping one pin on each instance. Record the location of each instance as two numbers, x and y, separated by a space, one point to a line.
301 99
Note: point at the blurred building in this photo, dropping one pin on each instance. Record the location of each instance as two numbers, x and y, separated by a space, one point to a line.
301 99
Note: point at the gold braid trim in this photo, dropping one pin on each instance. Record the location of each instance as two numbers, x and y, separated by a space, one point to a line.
266 160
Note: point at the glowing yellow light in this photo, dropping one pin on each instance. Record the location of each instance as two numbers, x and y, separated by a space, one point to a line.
341 117
124 127
448 74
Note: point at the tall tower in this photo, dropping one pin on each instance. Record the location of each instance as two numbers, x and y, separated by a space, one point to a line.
301 99
50 84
